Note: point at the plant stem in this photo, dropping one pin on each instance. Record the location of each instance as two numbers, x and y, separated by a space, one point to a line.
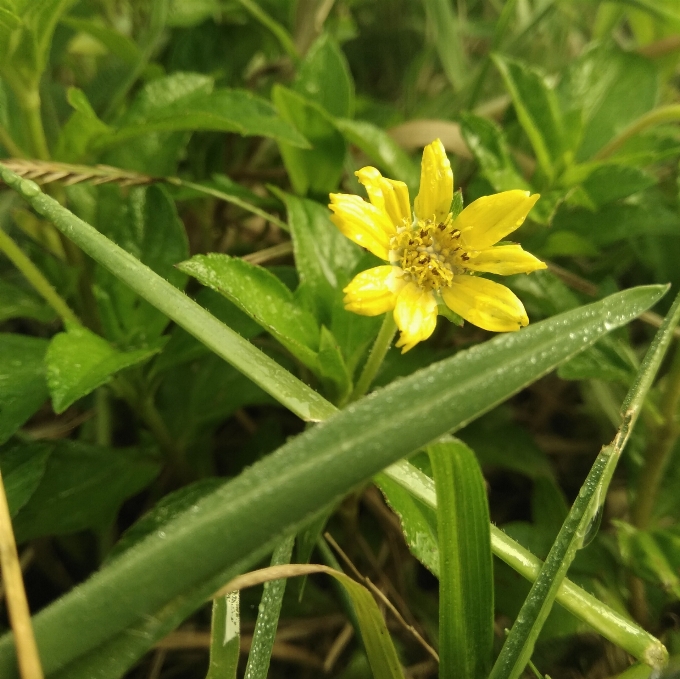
380 348
663 114
660 448
17 604
29 100
35 277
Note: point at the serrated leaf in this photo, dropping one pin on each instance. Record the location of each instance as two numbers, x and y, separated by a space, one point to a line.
23 388
78 361
263 297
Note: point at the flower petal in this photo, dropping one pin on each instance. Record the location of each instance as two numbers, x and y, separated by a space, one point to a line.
415 315
489 219
436 184
362 222
374 291
486 304
388 195
504 260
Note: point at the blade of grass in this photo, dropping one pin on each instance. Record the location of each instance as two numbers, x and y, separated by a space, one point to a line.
225 637
604 620
268 615
519 645
465 564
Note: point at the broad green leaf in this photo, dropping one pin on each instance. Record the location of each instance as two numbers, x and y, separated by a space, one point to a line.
222 110
538 112
23 388
20 302
609 88
263 297
147 226
23 467
609 182
465 565
324 258
324 78
418 522
78 361
82 487
486 141
225 637
80 129
268 613
448 41
123 47
279 493
316 170
577 528
389 157
332 367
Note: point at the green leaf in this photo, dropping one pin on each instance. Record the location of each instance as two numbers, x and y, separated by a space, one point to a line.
23 388
324 257
282 35
225 637
80 129
538 112
465 566
611 182
608 88
324 78
23 467
263 297
448 41
123 47
610 359
82 487
147 226
221 110
268 612
486 141
19 302
577 528
316 170
332 366
418 522
278 494
389 157
78 361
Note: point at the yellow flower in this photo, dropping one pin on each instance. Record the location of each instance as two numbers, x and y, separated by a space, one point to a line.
433 257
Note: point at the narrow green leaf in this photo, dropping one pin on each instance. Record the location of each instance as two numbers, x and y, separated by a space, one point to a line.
316 170
537 110
310 471
282 35
519 645
390 158
78 361
465 566
268 612
324 77
23 388
20 302
263 297
332 366
225 637
447 37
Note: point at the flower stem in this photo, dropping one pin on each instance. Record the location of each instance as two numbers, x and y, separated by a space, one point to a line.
35 277
380 347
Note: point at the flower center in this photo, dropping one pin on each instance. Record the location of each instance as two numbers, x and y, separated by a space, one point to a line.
429 253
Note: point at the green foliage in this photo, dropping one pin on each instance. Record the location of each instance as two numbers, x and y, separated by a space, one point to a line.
181 384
